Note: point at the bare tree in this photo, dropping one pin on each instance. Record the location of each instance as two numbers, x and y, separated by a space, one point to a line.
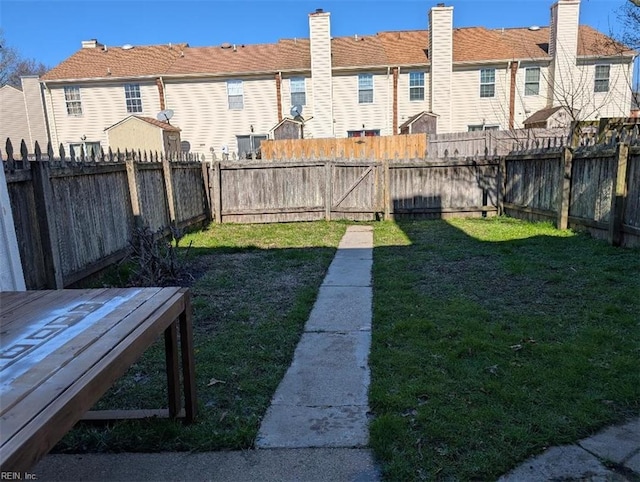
13 66
629 16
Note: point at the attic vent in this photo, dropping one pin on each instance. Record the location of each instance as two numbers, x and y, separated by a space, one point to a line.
533 28
225 45
127 47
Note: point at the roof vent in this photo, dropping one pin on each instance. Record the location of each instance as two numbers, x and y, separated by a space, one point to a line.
225 45
440 5
319 10
533 28
127 47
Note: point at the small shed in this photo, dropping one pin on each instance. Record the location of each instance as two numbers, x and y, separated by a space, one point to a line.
548 118
421 123
288 129
144 134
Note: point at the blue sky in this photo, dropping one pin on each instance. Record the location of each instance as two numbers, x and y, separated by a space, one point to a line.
52 30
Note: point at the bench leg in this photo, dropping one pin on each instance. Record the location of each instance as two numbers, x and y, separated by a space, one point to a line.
173 373
188 365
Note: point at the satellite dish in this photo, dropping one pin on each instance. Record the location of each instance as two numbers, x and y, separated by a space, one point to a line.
165 115
296 111
127 47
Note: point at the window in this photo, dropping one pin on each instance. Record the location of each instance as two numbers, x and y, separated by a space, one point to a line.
72 99
365 88
235 94
532 81
416 85
364 133
248 145
298 95
487 82
132 98
602 78
87 147
483 127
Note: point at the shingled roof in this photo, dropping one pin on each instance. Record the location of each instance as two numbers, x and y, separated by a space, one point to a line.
384 49
105 62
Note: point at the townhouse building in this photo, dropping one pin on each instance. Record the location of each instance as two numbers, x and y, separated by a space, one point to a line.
227 98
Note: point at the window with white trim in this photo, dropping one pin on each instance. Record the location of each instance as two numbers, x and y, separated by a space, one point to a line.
235 94
72 100
89 148
416 85
298 92
487 82
365 88
532 81
482 127
132 98
602 78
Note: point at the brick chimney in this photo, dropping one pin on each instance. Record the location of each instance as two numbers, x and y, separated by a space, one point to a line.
320 40
563 49
441 58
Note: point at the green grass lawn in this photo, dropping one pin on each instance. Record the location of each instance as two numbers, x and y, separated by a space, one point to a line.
253 287
494 339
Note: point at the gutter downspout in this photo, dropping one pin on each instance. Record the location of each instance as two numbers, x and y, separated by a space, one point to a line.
161 93
396 75
512 93
279 94
53 116
388 100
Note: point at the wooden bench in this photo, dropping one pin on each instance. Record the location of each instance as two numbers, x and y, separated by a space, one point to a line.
61 350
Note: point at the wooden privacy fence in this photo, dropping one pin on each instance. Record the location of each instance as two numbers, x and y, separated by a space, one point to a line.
374 148
358 190
596 188
74 218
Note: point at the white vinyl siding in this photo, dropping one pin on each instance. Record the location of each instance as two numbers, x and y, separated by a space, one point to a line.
407 107
102 107
298 91
132 97
487 82
351 115
469 108
532 81
365 88
601 83
416 86
72 101
201 112
235 94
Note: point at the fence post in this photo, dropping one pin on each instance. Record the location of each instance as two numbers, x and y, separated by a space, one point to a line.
564 193
168 186
387 194
502 184
618 195
132 180
207 187
43 197
328 188
216 191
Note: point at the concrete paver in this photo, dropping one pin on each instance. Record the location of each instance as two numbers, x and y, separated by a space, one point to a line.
317 376
558 463
338 309
615 443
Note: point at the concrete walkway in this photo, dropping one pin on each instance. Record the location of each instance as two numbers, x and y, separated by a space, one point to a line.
322 399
